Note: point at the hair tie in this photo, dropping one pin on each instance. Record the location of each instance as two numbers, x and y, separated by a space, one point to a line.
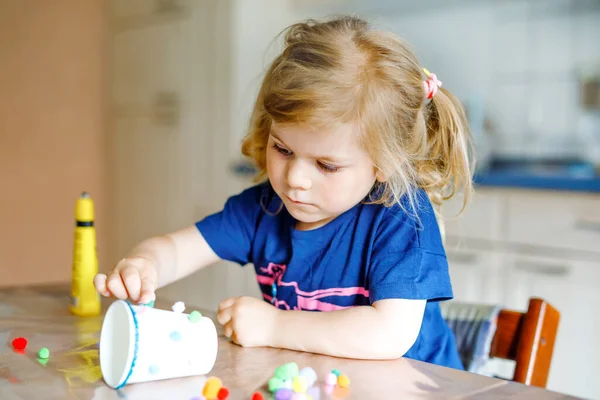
432 84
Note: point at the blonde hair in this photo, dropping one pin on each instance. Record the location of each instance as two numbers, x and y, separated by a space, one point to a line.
343 71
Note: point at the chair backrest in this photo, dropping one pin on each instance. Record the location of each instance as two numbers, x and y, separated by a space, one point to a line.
527 338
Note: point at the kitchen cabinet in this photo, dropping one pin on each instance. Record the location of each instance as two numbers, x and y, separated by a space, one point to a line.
130 13
572 286
170 127
482 219
557 220
143 157
523 244
477 276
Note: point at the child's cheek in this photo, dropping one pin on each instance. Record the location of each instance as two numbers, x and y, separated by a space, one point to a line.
275 170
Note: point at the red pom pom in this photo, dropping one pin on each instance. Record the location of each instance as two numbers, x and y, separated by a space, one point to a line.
19 343
223 393
258 396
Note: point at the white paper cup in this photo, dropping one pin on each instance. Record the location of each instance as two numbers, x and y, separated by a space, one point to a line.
141 344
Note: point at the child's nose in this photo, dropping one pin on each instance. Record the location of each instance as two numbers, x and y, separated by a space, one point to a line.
297 175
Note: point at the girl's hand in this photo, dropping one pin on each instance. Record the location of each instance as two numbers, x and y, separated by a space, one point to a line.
133 277
248 321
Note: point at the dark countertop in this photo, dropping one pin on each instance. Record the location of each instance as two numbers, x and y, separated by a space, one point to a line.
564 176
530 181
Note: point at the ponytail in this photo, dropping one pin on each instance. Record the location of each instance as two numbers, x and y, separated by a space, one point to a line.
448 166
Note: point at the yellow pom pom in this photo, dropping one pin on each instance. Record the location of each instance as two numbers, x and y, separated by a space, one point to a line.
212 387
299 384
343 381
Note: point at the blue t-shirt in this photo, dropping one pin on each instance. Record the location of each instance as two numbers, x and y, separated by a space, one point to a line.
369 253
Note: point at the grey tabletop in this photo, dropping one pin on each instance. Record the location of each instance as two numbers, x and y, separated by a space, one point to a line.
41 315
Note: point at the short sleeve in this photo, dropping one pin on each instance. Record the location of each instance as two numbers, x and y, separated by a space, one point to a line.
408 260
230 232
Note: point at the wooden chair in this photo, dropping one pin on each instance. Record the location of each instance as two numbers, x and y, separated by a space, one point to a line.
527 338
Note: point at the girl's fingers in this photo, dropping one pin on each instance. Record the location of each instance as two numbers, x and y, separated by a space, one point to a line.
228 329
116 286
131 279
100 284
227 303
148 287
224 316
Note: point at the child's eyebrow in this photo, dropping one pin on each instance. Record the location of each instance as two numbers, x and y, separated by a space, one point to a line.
275 136
326 158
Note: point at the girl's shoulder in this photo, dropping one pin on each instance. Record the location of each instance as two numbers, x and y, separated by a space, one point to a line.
411 220
415 209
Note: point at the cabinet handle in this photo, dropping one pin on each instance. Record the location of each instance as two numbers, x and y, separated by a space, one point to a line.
167 6
462 257
167 108
587 225
543 269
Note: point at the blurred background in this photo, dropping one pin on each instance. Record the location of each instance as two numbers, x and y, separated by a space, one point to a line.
143 104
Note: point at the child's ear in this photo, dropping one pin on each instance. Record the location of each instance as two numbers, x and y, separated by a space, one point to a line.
379 175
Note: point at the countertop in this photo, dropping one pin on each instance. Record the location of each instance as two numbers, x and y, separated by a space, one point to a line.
72 372
563 175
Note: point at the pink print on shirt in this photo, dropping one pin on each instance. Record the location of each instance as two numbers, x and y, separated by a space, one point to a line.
305 300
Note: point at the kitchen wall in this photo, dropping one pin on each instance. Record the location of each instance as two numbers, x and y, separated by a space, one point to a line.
52 133
519 63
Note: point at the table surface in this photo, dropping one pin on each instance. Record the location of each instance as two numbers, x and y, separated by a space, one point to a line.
41 315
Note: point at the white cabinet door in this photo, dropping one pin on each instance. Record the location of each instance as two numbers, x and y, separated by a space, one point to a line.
482 218
142 169
147 82
476 276
148 66
169 135
569 221
121 9
572 288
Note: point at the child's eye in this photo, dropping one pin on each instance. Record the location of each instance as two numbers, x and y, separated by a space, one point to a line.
282 150
327 167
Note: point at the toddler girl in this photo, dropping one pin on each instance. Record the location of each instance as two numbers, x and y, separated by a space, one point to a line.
356 145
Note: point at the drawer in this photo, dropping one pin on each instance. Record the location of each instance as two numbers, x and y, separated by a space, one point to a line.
570 286
477 276
557 220
480 220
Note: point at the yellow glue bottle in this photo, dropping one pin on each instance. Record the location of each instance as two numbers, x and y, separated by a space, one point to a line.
86 300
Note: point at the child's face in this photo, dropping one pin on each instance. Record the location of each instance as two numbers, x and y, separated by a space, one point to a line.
319 174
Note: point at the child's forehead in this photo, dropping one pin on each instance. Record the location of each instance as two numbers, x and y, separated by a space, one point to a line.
339 140
331 132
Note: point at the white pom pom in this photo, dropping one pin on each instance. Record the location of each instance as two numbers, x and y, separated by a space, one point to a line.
178 307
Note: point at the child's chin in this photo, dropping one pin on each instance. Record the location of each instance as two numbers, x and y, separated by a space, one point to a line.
303 216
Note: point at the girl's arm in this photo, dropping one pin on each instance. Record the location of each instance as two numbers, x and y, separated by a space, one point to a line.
177 254
156 262
386 330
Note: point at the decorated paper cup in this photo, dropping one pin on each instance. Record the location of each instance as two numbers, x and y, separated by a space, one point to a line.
141 344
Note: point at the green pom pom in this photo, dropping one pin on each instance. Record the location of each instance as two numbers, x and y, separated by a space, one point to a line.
336 372
195 316
150 304
287 371
44 353
275 384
